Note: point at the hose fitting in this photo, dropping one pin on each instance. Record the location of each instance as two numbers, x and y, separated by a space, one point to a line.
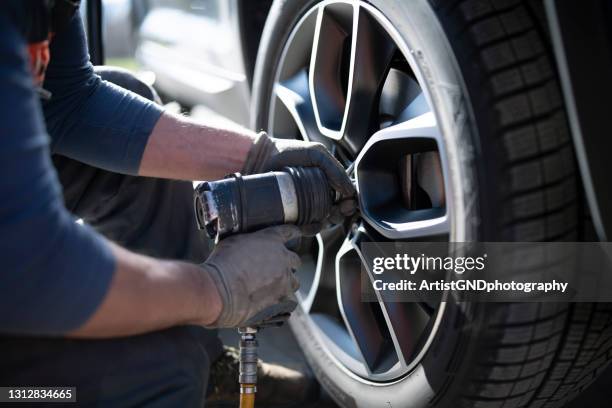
248 366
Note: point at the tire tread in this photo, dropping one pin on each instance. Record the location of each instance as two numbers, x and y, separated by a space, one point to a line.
533 355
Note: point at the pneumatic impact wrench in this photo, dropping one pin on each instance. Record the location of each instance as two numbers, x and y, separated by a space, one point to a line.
237 204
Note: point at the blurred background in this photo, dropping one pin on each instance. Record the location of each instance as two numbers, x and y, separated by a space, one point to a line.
120 31
199 54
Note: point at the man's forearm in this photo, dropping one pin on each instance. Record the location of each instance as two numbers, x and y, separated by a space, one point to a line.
147 294
180 148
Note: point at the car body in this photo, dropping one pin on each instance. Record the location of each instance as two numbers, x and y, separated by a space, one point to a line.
199 50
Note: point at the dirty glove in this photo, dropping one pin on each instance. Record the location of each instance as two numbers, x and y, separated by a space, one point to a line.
269 154
254 276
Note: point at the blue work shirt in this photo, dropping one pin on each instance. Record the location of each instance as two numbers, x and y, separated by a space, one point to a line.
54 273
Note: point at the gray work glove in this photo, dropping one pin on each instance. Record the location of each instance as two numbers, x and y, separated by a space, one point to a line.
254 276
269 154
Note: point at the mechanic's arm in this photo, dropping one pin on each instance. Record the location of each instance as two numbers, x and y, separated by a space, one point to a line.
101 124
184 149
55 273
147 294
247 279
61 278
181 148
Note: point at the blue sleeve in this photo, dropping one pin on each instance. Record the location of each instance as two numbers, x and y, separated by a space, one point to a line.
54 273
91 120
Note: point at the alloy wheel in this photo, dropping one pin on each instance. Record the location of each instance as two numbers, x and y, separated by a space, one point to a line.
346 80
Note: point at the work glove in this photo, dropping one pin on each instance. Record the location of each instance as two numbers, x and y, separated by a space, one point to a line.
254 274
270 154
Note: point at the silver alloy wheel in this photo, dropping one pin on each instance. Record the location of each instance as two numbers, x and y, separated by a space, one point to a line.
346 80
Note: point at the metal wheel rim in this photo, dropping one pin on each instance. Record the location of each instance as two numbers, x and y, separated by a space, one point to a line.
297 98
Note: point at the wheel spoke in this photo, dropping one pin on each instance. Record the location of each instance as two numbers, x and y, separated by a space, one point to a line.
364 320
294 94
328 243
350 58
405 321
327 83
371 56
390 200
416 108
399 92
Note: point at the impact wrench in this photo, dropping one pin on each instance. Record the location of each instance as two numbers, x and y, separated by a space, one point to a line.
237 204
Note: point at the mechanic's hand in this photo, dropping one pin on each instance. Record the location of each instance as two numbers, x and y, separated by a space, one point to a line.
254 276
268 154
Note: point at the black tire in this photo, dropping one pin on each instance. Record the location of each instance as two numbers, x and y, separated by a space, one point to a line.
504 107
